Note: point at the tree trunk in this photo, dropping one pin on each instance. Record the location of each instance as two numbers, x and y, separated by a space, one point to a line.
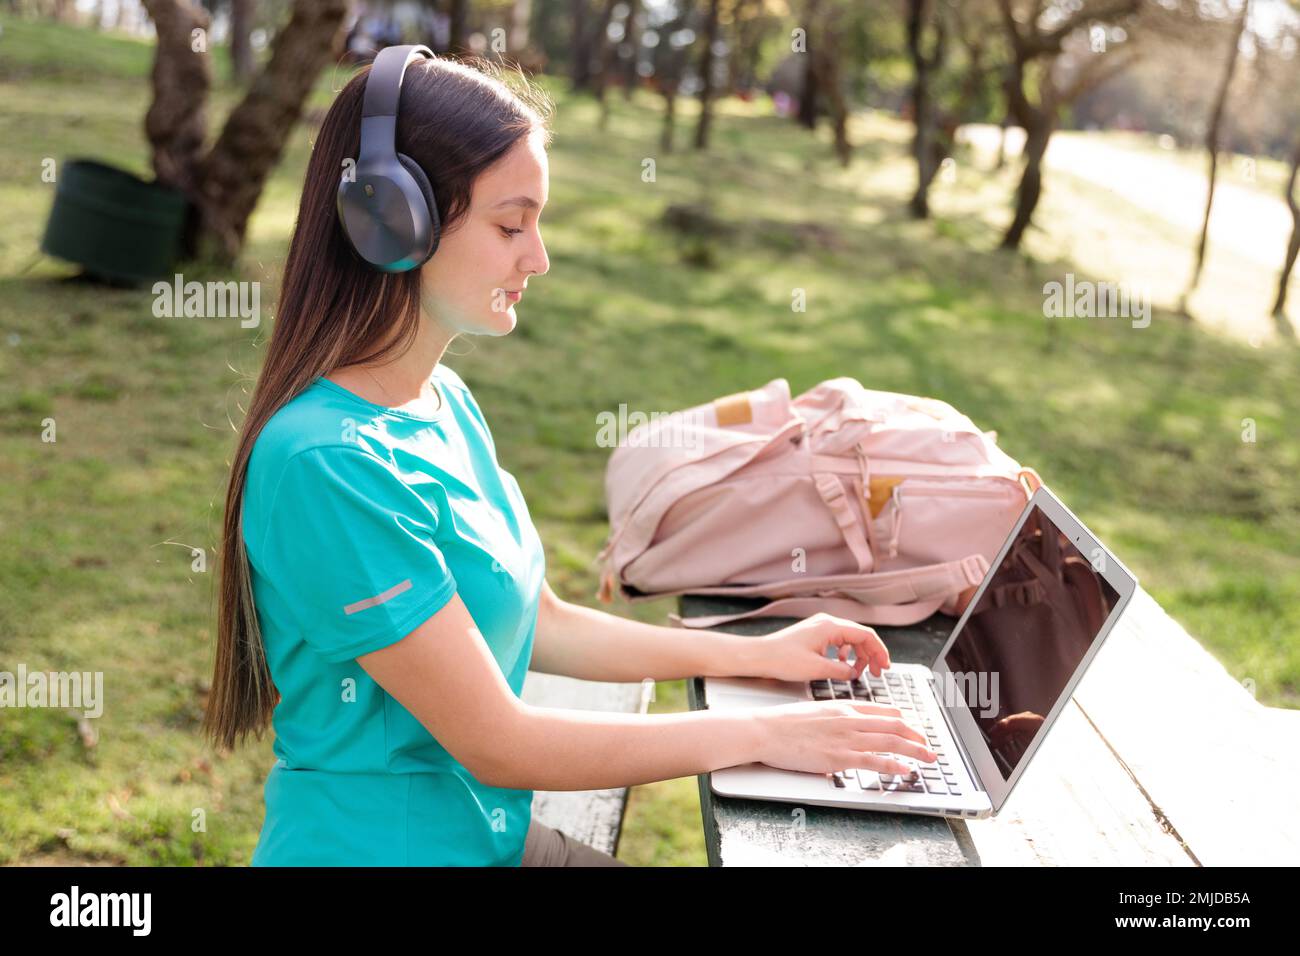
241 46
807 114
602 51
632 40
1039 120
919 15
669 65
176 123
749 35
1002 143
457 13
830 85
1031 180
1212 146
580 47
670 116
706 76
235 170
1293 246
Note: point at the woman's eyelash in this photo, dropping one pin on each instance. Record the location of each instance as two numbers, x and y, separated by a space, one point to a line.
510 232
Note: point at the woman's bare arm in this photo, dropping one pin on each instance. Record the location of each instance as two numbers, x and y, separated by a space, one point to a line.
444 673
577 641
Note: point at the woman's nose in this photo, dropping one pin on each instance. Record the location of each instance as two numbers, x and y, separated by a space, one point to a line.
536 261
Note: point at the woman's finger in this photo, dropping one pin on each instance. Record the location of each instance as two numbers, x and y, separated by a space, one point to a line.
864 640
873 709
895 744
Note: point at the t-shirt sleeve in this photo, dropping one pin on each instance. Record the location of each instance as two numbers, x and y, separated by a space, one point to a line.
349 547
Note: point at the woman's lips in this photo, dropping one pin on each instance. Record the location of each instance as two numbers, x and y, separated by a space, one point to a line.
514 296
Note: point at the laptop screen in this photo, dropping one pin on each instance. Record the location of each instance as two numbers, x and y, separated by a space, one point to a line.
1033 625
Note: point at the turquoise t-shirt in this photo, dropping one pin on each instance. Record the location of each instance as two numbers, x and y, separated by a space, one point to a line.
360 522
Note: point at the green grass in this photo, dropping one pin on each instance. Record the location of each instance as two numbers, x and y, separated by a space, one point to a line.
1138 429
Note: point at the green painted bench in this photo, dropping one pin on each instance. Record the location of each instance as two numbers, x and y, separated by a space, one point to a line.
1147 766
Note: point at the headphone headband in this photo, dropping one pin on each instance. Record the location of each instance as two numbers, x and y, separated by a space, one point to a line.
379 105
384 84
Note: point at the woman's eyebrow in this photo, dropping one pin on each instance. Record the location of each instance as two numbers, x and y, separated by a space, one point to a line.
526 201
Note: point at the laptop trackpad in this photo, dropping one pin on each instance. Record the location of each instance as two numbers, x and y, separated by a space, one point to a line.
753 691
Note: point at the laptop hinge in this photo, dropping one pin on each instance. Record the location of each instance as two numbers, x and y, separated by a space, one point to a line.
956 736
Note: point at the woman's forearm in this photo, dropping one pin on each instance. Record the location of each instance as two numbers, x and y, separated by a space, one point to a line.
559 749
582 642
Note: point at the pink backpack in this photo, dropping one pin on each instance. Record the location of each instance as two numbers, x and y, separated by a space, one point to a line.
876 507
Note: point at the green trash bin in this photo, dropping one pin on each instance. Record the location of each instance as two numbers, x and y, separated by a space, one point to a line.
114 224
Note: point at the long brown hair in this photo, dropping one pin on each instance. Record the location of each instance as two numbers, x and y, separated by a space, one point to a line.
455 118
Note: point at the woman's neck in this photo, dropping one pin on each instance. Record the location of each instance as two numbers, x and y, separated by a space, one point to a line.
405 380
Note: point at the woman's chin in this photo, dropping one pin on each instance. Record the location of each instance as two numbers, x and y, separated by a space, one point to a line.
500 323
492 323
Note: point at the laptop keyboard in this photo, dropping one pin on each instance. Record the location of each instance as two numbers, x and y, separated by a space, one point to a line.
894 690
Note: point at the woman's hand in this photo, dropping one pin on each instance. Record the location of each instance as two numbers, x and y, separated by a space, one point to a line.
824 736
798 652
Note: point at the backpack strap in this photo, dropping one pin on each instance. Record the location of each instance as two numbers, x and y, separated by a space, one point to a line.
893 598
855 535
893 615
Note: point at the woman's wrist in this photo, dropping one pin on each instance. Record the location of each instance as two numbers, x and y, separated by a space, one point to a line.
738 739
732 655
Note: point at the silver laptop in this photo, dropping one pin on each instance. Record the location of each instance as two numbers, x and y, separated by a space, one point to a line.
989 700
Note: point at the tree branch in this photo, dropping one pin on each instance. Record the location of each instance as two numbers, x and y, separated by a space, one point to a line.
1087 78
1050 42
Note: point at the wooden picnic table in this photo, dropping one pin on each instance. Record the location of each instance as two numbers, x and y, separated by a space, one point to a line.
1161 759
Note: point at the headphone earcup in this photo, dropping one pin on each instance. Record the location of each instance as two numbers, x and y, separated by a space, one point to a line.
385 215
422 181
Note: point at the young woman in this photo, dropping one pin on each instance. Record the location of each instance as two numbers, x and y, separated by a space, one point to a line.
382 585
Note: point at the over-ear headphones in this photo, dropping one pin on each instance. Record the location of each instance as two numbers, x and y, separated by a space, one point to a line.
385 203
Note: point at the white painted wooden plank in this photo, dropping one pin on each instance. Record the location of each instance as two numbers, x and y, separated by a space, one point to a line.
1075 806
1219 766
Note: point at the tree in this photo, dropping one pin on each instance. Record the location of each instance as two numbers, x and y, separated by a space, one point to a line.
670 63
1212 133
825 56
706 75
619 60
1036 44
1293 244
808 106
750 23
816 60
457 17
581 42
924 18
176 122
224 183
604 52
241 46
629 48
1290 78
979 92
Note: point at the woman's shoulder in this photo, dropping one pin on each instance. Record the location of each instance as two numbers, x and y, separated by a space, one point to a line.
313 419
313 432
